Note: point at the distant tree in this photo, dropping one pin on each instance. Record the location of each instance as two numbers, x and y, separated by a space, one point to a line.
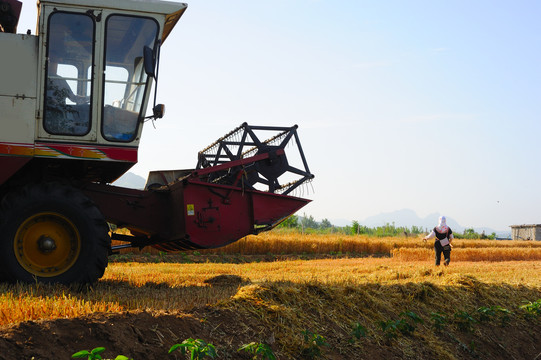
325 224
309 222
291 222
469 232
355 227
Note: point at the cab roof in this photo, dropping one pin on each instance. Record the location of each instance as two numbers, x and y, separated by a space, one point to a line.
170 9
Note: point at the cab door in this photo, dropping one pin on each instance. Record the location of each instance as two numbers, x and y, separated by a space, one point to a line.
68 86
125 84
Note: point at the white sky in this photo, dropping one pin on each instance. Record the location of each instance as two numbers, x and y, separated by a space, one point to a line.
428 105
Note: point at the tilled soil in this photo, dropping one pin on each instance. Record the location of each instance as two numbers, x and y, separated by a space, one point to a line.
146 336
138 335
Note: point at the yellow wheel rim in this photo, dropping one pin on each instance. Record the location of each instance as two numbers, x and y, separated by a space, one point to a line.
47 244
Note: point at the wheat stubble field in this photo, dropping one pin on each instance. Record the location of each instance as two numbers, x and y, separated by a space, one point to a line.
366 298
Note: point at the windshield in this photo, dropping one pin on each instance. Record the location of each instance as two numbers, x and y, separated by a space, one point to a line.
125 78
69 76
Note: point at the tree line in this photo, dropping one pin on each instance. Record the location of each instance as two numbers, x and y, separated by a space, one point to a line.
307 224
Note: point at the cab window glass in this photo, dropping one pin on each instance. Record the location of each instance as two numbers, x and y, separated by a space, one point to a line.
116 87
125 80
69 83
68 72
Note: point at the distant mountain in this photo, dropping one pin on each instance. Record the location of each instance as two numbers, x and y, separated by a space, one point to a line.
132 181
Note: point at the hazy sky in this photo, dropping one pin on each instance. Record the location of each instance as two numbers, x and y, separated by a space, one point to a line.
433 106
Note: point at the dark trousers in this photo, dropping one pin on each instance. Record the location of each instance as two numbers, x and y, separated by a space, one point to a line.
446 253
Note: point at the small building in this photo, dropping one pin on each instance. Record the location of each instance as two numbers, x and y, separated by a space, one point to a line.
526 232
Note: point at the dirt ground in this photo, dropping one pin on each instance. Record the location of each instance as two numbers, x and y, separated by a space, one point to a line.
138 335
146 336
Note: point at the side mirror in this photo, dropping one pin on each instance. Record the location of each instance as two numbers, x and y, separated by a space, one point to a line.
158 111
149 61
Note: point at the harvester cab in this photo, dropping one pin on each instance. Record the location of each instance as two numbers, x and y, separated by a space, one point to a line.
83 80
73 99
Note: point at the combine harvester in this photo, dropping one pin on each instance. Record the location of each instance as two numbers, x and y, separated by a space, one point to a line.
73 100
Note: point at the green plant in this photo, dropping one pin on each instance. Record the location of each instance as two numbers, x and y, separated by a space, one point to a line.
313 343
405 325
94 354
358 332
393 328
196 347
504 314
389 328
464 320
439 321
488 313
412 316
258 349
532 308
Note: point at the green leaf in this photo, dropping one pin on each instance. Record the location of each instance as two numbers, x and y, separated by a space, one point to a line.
175 347
81 354
98 350
122 357
413 316
358 331
211 351
266 351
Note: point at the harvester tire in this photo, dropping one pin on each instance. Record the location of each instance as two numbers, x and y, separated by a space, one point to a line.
52 233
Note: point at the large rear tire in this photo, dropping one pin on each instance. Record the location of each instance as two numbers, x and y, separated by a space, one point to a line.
52 233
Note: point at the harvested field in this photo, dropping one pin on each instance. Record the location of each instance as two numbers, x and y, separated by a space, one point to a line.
280 242
146 303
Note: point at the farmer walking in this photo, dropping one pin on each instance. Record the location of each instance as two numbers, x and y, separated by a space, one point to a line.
442 244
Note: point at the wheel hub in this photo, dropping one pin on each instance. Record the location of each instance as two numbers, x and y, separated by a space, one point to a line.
46 244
